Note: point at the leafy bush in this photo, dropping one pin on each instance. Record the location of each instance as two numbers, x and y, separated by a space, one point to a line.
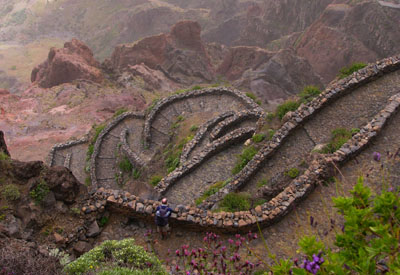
11 192
339 137
110 255
234 202
346 71
292 173
258 137
125 165
369 238
212 190
155 180
247 154
194 128
308 93
124 271
40 192
286 107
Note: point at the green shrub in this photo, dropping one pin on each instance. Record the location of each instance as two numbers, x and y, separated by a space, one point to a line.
13 67
136 174
194 128
125 165
253 97
40 192
110 255
173 153
212 190
260 201
271 133
120 112
258 137
97 131
197 87
4 156
247 154
346 71
180 118
286 107
11 192
369 237
103 221
155 180
292 173
234 202
88 181
354 131
308 93
339 137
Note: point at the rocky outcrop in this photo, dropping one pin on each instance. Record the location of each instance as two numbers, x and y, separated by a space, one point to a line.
3 145
348 33
180 55
74 61
269 75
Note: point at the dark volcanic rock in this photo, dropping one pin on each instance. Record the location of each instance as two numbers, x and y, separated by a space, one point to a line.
74 61
63 183
3 145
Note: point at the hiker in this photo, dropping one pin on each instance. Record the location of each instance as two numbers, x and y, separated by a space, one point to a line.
162 214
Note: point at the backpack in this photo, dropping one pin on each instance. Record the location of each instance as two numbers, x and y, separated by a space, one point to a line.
162 216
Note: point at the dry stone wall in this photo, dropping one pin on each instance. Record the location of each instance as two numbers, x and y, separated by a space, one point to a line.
302 114
164 103
320 168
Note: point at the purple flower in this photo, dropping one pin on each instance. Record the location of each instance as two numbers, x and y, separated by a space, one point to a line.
376 156
230 241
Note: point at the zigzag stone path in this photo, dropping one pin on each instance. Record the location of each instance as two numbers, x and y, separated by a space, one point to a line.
369 97
352 110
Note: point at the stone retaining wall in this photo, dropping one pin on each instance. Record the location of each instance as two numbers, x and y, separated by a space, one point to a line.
237 118
132 156
200 134
210 150
320 168
304 112
51 156
164 103
99 141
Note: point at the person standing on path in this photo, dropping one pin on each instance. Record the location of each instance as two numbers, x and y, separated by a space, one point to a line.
163 212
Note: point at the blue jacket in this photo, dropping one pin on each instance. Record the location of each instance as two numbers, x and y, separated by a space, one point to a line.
162 220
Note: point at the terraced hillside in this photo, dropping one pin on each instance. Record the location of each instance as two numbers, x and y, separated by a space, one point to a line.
364 106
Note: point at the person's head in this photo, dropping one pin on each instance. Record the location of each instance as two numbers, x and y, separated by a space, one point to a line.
164 201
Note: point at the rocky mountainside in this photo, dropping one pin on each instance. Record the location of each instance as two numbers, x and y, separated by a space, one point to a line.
334 32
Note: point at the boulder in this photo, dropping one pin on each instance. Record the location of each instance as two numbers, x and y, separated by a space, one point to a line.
74 61
93 230
82 247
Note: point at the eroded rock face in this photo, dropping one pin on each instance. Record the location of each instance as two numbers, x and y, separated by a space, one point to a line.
271 76
74 61
348 33
180 55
